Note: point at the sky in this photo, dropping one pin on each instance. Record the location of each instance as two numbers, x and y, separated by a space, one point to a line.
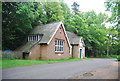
89 5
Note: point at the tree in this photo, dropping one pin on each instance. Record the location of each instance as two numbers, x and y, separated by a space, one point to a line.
20 17
75 8
53 11
67 15
91 27
114 8
16 22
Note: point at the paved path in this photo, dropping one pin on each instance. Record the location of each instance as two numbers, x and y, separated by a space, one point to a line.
63 70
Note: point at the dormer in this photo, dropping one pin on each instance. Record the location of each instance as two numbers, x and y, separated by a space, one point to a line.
35 37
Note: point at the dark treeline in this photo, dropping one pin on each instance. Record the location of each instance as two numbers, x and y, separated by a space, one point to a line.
18 18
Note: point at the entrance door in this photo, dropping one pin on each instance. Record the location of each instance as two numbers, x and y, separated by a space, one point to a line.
81 53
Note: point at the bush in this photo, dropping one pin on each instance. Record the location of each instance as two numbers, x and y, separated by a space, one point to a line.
104 56
118 58
114 56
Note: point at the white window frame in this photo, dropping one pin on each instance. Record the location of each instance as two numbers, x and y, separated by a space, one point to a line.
33 37
59 45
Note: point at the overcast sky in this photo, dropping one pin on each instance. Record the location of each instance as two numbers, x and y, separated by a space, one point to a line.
89 5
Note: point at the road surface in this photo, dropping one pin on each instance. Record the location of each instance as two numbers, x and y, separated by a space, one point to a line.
64 70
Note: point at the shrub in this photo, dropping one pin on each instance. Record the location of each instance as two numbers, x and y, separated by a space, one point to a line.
118 58
104 56
114 56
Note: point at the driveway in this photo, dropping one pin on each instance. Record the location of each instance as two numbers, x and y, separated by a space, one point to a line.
64 70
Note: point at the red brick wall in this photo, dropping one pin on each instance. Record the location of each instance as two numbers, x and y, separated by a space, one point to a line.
34 53
48 52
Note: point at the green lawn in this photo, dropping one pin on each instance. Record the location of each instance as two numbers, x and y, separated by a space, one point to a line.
0 62
86 58
6 63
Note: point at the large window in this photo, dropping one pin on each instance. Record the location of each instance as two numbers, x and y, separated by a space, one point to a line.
33 37
59 46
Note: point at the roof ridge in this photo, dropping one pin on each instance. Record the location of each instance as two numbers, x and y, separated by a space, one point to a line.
73 33
49 23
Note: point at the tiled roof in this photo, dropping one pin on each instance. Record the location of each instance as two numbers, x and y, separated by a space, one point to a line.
47 31
73 38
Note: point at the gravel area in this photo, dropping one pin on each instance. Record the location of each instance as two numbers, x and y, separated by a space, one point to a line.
108 72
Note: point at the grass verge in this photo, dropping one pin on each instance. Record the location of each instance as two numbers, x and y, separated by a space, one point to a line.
86 58
110 56
0 62
7 63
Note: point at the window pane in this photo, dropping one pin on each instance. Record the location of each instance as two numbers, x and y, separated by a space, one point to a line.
31 38
59 48
62 49
62 42
55 48
56 42
36 37
28 38
59 45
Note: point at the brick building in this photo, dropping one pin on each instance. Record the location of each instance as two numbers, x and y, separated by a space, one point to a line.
51 41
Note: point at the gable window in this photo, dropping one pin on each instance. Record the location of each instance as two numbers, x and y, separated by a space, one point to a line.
33 37
59 45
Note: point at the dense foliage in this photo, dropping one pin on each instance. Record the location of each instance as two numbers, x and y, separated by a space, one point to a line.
18 18
114 7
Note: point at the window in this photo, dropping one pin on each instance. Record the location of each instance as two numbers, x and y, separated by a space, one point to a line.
33 37
59 46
